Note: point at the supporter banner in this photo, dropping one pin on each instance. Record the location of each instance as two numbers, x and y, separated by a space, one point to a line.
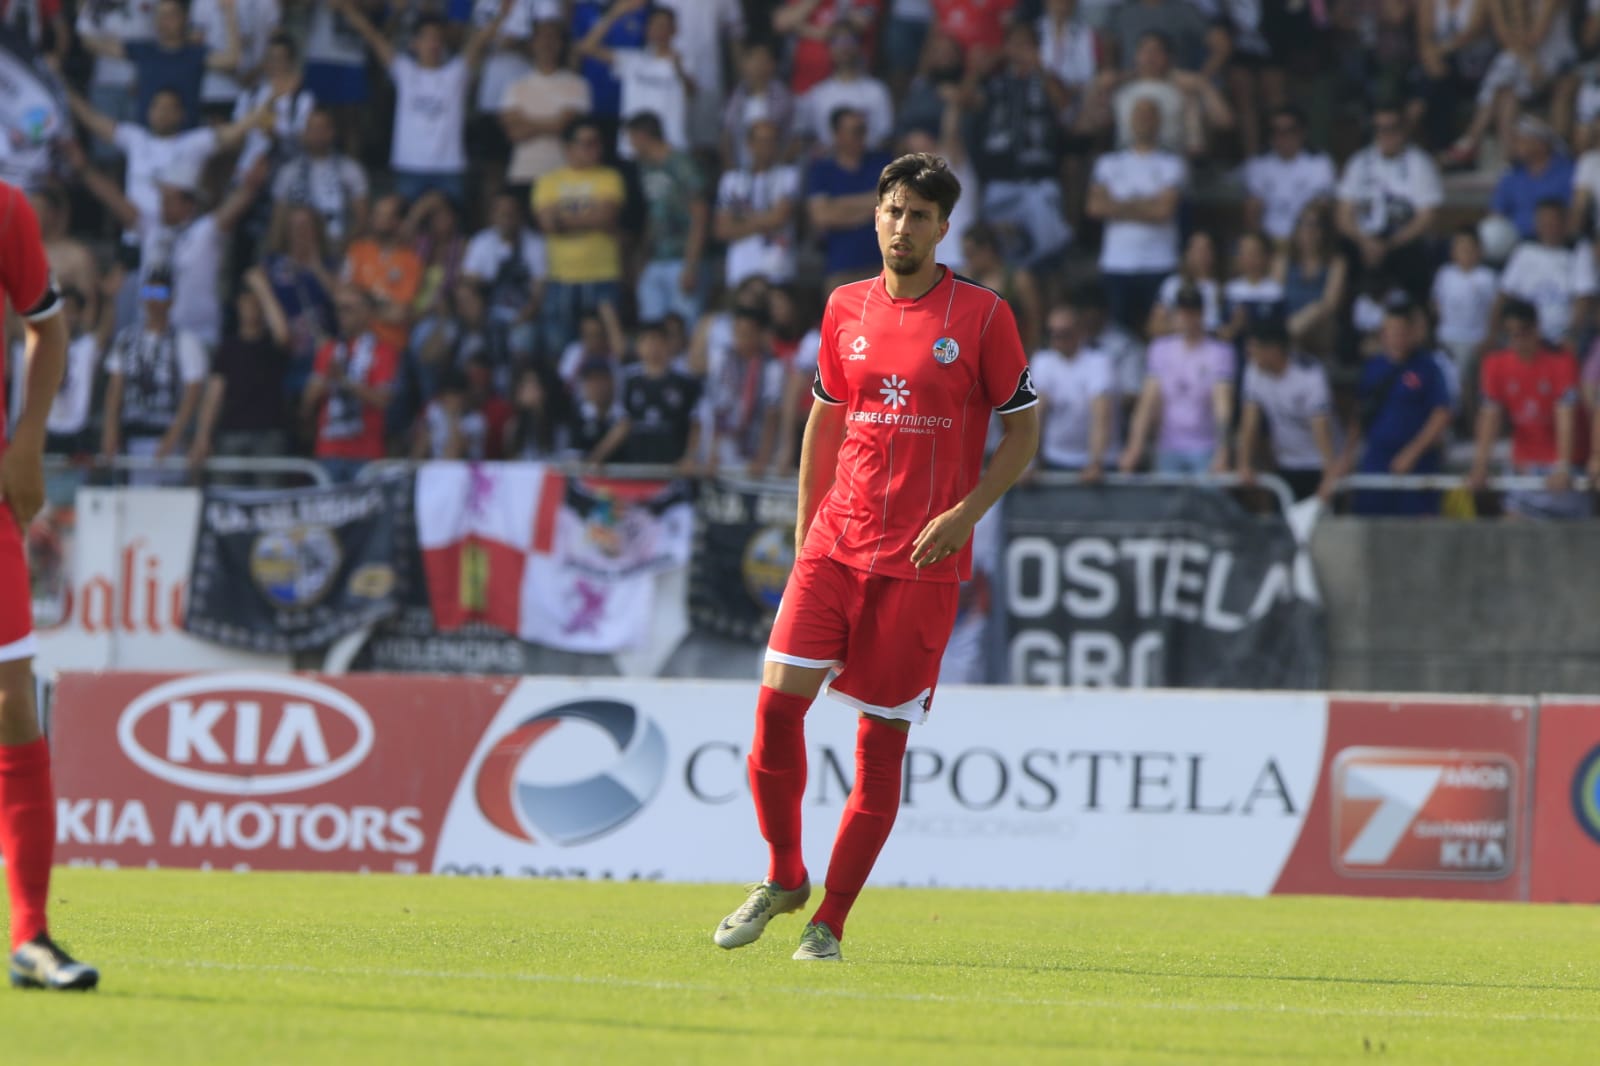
1419 796
743 551
1566 802
295 569
568 563
1155 587
111 580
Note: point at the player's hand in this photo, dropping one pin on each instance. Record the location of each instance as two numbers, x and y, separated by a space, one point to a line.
22 479
943 537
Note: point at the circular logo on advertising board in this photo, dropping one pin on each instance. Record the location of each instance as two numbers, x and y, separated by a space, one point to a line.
525 788
1586 794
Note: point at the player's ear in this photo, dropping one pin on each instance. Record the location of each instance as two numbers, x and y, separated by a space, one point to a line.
944 228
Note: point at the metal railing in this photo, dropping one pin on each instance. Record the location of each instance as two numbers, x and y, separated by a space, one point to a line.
177 469
1446 482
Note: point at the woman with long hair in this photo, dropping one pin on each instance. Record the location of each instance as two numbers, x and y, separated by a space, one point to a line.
1313 273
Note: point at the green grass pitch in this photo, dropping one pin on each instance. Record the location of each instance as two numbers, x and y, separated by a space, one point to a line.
222 968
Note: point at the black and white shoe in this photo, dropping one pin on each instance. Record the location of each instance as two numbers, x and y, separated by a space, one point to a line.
41 964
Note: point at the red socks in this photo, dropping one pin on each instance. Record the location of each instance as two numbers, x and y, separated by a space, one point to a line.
868 816
778 780
27 834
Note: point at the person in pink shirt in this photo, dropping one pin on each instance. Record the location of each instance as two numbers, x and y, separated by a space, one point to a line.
1188 390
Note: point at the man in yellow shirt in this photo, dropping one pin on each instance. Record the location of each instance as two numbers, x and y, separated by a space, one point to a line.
578 208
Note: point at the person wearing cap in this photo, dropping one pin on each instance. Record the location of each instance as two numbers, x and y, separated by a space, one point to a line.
1188 391
1288 392
155 371
1405 411
350 388
1540 170
850 85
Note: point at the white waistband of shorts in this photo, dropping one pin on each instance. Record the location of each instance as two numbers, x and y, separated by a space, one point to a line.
911 711
26 648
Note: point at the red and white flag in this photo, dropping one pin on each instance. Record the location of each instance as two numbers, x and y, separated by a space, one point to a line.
566 563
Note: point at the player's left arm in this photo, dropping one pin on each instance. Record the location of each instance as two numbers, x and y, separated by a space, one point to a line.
1007 383
25 276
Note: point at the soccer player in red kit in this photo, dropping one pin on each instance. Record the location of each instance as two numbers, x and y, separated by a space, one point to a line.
892 481
27 801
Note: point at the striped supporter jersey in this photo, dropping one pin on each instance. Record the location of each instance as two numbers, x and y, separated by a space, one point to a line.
918 379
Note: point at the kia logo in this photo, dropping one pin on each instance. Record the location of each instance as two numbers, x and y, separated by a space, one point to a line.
245 733
576 811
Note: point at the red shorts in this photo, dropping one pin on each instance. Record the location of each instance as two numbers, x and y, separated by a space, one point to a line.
885 636
16 602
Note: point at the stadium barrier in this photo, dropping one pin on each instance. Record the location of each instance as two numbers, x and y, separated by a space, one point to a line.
1152 791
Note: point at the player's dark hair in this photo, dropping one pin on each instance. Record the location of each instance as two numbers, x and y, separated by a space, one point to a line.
647 123
925 174
1517 309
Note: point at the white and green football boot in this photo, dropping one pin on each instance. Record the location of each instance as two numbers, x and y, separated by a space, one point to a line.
40 963
818 944
765 902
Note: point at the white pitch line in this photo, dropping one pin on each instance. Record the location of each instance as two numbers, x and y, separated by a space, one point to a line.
1196 1006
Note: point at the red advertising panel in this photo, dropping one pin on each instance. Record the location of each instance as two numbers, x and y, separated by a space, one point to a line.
268 771
1417 798
1566 802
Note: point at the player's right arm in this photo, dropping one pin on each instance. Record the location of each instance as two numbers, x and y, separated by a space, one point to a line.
825 430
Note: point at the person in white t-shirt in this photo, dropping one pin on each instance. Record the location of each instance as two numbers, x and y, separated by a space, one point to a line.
1290 393
1199 267
1556 277
111 84
332 184
507 260
1078 395
1254 294
430 109
850 85
652 78
703 27
1464 293
1282 182
1136 192
538 106
1388 196
755 211
257 20
163 142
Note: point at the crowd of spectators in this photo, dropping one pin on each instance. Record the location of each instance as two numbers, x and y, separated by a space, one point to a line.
1309 236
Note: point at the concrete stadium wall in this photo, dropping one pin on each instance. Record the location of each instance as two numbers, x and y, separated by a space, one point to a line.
1470 607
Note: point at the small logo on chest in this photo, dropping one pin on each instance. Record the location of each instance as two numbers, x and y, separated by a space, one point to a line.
946 350
858 350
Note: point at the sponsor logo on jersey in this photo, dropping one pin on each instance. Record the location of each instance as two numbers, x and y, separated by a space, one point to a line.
1400 812
858 349
895 393
245 734
946 350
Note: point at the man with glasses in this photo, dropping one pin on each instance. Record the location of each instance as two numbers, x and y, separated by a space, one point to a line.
843 196
351 384
1286 179
579 207
1388 197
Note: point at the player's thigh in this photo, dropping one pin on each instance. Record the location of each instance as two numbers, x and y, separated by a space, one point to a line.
811 632
892 665
18 722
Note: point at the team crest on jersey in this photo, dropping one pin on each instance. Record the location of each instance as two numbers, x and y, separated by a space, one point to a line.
946 350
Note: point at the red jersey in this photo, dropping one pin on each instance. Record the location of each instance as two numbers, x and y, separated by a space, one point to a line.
350 429
812 62
24 273
1529 391
973 23
919 379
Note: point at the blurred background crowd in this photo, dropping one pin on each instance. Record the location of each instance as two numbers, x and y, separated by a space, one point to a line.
1309 236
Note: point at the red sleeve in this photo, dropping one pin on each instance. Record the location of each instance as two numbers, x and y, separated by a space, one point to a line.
1004 365
24 270
1489 381
385 364
829 386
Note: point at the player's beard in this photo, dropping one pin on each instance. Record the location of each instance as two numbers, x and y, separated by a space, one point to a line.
905 266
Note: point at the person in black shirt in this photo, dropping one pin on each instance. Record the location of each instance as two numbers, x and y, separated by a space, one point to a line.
594 409
242 412
658 424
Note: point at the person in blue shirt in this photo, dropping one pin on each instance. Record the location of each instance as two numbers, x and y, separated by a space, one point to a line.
841 196
1538 172
1405 410
628 19
172 61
